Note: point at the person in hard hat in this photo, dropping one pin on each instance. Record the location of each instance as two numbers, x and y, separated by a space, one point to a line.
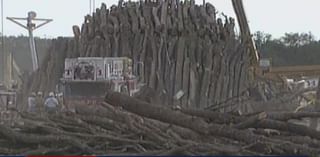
32 103
51 104
39 103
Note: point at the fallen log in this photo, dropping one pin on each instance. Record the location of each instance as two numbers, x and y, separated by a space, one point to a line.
177 151
300 140
146 110
33 139
51 151
285 116
241 122
288 127
216 117
251 121
177 118
136 134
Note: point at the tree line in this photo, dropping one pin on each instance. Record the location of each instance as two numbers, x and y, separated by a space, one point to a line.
19 47
290 49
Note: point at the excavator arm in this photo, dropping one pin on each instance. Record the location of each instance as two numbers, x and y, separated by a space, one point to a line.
245 30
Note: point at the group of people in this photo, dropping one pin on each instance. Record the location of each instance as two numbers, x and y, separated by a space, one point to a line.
37 103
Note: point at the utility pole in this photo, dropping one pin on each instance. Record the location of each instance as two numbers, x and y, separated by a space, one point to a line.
31 27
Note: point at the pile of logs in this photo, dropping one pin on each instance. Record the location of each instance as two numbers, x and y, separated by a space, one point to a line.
124 125
176 47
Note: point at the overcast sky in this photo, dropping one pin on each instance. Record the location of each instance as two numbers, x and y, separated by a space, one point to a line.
273 16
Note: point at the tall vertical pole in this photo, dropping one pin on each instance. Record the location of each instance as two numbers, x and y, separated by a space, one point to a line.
90 2
94 6
3 55
34 55
33 50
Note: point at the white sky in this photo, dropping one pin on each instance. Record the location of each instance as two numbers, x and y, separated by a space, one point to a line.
272 16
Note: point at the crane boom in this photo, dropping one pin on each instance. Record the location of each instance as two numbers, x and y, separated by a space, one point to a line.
245 30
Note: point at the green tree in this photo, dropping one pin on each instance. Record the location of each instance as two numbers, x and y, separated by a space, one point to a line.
297 39
261 38
290 49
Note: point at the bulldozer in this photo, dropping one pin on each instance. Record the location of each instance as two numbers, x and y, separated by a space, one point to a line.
86 80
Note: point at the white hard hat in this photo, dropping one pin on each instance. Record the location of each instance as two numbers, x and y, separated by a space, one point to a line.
51 94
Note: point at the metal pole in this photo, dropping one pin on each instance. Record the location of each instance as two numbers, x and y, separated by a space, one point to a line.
33 50
90 6
34 55
2 44
94 5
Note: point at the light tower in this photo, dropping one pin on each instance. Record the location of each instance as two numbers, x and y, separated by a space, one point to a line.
31 26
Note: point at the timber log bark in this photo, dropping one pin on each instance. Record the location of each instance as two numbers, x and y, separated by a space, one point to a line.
183 47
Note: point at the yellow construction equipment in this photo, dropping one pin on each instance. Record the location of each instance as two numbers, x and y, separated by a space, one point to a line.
245 31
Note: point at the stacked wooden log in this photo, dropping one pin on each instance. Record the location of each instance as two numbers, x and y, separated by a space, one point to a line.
183 47
128 126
